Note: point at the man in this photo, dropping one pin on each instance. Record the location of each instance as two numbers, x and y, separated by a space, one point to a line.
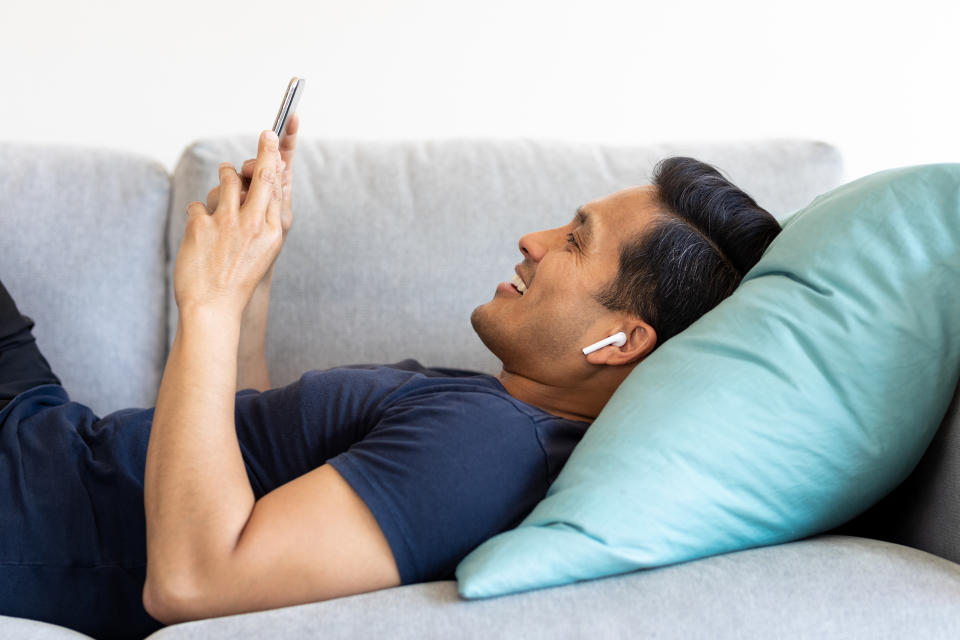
231 496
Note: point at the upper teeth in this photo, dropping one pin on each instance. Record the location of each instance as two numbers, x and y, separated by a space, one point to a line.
518 283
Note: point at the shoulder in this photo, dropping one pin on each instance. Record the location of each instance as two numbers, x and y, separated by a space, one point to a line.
394 374
369 382
448 464
469 400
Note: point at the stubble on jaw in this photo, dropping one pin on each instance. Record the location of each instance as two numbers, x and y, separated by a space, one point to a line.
492 332
534 351
485 329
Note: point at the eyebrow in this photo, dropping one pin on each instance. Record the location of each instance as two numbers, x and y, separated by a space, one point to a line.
584 219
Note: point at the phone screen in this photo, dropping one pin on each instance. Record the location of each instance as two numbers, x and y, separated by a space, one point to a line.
288 105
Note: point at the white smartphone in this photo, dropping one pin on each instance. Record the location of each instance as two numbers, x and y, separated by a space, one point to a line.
289 104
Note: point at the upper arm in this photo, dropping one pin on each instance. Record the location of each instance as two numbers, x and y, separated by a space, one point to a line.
442 472
310 539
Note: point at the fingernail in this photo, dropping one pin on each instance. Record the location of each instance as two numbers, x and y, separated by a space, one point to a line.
271 136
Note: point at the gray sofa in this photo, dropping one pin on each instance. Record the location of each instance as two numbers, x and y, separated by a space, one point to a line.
393 244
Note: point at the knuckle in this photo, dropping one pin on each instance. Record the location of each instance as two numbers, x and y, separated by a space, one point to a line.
267 174
253 224
276 235
192 229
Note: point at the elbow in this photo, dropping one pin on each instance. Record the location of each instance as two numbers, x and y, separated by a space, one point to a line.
152 604
172 604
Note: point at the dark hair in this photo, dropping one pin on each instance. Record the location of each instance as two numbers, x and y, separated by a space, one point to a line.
708 235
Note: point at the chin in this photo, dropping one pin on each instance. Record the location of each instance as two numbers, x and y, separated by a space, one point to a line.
480 323
487 329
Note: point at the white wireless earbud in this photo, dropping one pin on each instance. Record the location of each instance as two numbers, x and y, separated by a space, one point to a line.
617 339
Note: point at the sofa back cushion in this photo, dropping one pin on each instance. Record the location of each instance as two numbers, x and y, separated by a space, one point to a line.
82 254
395 243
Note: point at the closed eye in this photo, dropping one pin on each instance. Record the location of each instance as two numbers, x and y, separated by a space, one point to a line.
571 240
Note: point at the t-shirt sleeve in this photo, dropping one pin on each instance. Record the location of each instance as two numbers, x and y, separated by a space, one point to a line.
288 431
442 472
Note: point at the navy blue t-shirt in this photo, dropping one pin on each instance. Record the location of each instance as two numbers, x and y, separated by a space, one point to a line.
443 458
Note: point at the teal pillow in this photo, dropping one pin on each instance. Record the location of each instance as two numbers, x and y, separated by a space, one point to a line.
791 407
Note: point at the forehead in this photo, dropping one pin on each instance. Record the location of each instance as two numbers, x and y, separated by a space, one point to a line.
620 215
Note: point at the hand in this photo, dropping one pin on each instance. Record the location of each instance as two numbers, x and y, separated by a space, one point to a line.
288 145
225 253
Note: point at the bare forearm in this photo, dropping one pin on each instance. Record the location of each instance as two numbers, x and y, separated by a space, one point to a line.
196 492
252 371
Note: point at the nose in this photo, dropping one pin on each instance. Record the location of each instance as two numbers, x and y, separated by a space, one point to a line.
535 245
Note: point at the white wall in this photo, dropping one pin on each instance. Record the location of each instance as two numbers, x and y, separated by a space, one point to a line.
878 78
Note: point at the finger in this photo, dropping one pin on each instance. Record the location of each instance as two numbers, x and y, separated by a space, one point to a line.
244 185
195 209
213 198
288 143
264 173
289 139
229 187
286 182
274 206
246 169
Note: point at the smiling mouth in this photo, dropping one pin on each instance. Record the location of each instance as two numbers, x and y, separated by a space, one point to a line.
517 283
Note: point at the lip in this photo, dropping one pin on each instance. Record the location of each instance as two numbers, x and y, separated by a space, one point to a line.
509 289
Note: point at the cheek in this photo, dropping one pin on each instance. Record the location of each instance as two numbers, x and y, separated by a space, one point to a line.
554 333
563 289
558 275
564 292
559 319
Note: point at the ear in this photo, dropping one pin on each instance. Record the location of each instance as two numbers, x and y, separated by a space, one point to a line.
641 339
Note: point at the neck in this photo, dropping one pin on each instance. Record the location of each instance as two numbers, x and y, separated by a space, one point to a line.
581 402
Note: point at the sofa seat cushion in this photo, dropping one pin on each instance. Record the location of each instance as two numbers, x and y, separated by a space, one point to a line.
826 586
24 629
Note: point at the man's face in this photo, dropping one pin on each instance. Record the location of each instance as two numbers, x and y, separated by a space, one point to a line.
540 333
